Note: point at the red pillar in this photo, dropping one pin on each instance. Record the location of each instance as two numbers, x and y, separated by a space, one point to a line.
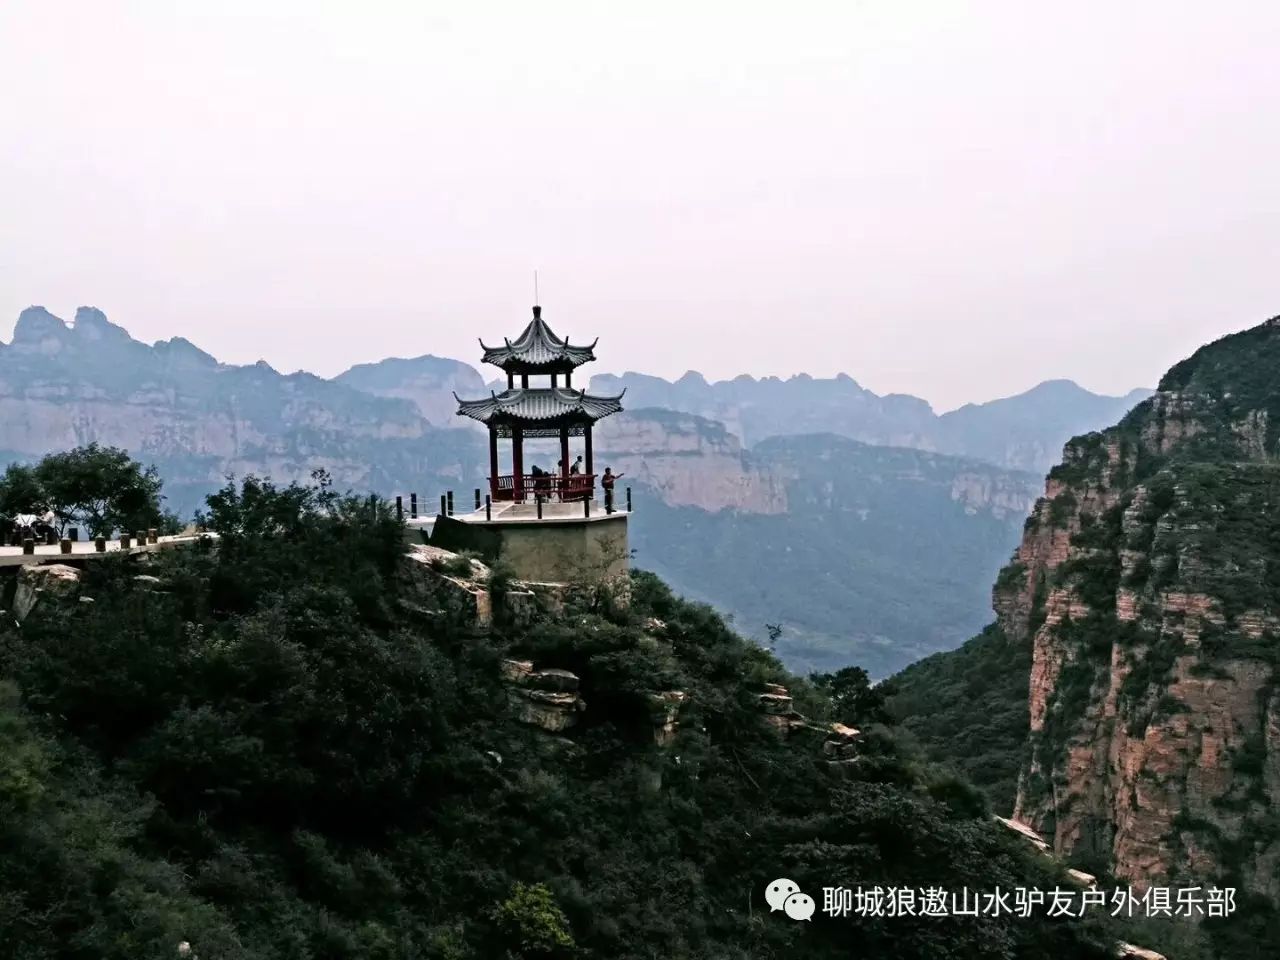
564 460
586 438
517 463
493 461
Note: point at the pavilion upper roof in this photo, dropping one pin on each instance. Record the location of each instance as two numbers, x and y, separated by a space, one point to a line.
539 405
538 349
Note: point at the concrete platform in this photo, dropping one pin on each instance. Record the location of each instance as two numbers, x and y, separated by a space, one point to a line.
84 550
571 512
564 545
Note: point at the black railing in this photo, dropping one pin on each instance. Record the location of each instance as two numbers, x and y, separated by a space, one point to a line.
537 489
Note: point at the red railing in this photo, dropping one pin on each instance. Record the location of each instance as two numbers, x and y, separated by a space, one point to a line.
576 486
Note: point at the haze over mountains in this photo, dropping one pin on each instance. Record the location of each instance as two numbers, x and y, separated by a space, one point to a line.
868 526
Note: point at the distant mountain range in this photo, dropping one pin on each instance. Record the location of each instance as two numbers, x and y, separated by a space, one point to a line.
198 420
867 526
1025 432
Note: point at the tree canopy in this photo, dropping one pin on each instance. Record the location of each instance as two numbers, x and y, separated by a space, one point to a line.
100 488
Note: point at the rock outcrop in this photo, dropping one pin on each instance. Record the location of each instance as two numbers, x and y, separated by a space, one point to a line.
1148 586
546 698
688 461
38 581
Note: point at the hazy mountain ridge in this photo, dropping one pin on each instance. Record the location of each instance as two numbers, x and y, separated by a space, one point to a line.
1023 432
197 419
882 556
429 382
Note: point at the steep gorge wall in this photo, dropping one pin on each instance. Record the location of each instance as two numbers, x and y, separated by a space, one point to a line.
688 461
1148 586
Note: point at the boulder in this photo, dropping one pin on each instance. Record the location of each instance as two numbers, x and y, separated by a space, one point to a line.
1025 832
34 582
546 698
553 679
1082 879
550 710
515 671
1127 951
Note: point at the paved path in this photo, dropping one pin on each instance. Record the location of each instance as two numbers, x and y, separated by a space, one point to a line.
82 550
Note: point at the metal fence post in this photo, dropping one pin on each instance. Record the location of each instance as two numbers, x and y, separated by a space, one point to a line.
628 499
488 506
586 506
537 497
399 508
444 505
477 498
413 506
450 495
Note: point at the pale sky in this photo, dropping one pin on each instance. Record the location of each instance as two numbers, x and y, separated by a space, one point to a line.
955 200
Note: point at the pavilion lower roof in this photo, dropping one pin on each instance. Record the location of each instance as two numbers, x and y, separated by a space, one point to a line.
540 408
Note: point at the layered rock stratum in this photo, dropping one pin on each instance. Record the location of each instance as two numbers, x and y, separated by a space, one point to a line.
1147 585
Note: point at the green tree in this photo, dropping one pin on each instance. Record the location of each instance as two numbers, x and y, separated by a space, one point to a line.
101 488
20 490
532 924
855 700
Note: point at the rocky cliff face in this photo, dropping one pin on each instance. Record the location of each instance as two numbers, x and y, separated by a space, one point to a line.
688 461
1148 586
428 382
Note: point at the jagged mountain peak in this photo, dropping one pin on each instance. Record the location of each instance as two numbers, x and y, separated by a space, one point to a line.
183 350
36 324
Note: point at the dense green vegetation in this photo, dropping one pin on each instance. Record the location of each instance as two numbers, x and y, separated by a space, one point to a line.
280 747
968 709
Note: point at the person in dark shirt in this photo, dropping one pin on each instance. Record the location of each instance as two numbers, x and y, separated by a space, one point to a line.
607 481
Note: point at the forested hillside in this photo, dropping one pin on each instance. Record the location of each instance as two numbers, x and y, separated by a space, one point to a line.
281 745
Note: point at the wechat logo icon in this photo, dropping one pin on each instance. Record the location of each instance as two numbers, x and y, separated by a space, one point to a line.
785 895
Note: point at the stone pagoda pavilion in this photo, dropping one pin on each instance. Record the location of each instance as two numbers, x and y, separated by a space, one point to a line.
550 409
546 525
